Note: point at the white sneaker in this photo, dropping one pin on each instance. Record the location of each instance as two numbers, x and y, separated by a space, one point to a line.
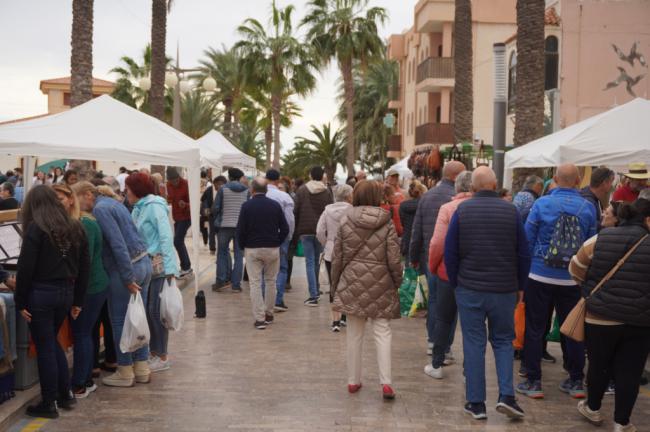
156 364
449 359
429 348
627 428
593 417
433 372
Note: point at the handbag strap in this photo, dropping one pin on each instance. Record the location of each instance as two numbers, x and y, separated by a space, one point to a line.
618 265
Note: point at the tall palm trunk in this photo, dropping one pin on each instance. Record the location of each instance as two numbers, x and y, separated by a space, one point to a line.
348 88
227 118
81 65
529 87
158 60
463 87
276 107
268 142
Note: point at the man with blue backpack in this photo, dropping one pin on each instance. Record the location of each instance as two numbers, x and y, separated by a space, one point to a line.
557 226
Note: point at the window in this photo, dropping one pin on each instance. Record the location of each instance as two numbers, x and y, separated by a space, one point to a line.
66 99
413 79
408 72
512 81
439 50
438 114
551 63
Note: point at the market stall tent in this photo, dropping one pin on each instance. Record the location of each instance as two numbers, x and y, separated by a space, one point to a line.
109 130
402 168
217 152
614 138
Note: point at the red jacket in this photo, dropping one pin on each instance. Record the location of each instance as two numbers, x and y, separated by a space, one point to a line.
625 193
175 194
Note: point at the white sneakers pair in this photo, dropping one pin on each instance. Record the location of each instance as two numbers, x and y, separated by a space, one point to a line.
156 364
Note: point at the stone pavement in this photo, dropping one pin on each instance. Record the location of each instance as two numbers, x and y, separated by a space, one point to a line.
291 377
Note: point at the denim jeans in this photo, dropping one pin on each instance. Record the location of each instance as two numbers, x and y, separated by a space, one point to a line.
282 274
118 302
312 249
82 329
180 231
432 282
10 304
225 272
443 334
539 296
49 303
159 334
499 309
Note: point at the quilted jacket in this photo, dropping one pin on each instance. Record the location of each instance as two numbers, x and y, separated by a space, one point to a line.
366 265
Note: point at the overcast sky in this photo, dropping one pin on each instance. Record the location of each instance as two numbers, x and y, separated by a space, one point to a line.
35 44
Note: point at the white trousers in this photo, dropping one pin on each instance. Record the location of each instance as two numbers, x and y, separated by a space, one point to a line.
382 333
262 264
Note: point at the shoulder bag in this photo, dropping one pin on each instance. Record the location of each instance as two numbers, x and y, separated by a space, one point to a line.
574 325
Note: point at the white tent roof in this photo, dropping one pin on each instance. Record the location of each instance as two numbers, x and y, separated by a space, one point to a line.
217 152
402 168
614 138
100 129
106 129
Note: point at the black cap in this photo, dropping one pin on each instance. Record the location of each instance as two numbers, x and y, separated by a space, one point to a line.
273 175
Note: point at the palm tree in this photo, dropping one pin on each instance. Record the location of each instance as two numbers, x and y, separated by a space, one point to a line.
340 29
251 143
278 55
226 67
198 114
128 91
529 87
463 90
159 9
326 149
81 64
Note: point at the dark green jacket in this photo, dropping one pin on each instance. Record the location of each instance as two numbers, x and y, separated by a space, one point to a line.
98 277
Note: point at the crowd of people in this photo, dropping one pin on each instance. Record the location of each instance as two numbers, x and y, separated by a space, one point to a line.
89 246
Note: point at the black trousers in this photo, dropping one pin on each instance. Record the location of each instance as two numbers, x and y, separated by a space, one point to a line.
619 352
109 345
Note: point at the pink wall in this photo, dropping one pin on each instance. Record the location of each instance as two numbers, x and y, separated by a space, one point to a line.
588 62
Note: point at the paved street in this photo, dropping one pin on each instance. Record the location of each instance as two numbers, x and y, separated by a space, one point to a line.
291 377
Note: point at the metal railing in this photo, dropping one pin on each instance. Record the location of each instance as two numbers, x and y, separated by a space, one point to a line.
435 67
434 133
395 143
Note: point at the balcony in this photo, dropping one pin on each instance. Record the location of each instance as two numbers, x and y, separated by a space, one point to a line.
434 133
394 149
430 14
434 74
395 97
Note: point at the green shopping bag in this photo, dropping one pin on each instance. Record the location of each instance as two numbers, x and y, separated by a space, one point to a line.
554 334
407 290
300 251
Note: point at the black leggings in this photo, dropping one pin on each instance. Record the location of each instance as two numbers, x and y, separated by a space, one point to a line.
619 352
109 345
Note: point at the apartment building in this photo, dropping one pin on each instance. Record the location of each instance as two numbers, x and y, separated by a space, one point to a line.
425 96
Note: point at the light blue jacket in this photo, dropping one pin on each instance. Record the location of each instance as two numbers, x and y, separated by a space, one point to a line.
151 217
541 224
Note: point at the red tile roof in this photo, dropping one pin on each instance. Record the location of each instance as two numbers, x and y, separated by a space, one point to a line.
551 18
66 80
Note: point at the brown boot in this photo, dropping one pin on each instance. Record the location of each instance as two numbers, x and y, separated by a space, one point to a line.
124 377
142 372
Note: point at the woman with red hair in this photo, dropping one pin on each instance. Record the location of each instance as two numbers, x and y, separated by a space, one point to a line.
151 218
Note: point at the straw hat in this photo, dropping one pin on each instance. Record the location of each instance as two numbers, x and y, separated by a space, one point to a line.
637 170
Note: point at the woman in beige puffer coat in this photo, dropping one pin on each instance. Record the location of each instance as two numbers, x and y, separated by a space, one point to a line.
366 275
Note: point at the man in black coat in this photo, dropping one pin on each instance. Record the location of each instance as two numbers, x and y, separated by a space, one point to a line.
207 200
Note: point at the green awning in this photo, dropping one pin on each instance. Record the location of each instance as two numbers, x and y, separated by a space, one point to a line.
61 163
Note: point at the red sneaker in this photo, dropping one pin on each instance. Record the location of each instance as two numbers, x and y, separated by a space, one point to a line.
353 388
388 392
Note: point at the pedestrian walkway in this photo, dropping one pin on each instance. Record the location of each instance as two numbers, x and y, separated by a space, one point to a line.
291 377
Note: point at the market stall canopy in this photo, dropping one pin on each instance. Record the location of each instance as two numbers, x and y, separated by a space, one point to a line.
106 129
614 138
218 152
402 168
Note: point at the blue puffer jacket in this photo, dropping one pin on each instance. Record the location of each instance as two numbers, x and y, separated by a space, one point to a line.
541 224
151 217
122 242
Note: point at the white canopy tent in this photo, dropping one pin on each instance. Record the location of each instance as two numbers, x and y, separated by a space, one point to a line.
614 138
217 152
402 168
106 129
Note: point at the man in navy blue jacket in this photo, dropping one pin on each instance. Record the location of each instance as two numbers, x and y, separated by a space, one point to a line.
261 229
487 263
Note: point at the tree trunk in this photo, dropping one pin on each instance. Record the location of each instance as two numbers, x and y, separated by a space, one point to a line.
330 172
529 87
348 86
81 66
158 60
235 127
276 107
268 141
227 118
463 86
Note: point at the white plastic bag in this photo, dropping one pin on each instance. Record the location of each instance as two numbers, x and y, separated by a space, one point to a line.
135 333
171 306
323 276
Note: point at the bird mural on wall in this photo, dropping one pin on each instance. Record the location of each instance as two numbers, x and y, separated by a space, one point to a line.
624 77
631 57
